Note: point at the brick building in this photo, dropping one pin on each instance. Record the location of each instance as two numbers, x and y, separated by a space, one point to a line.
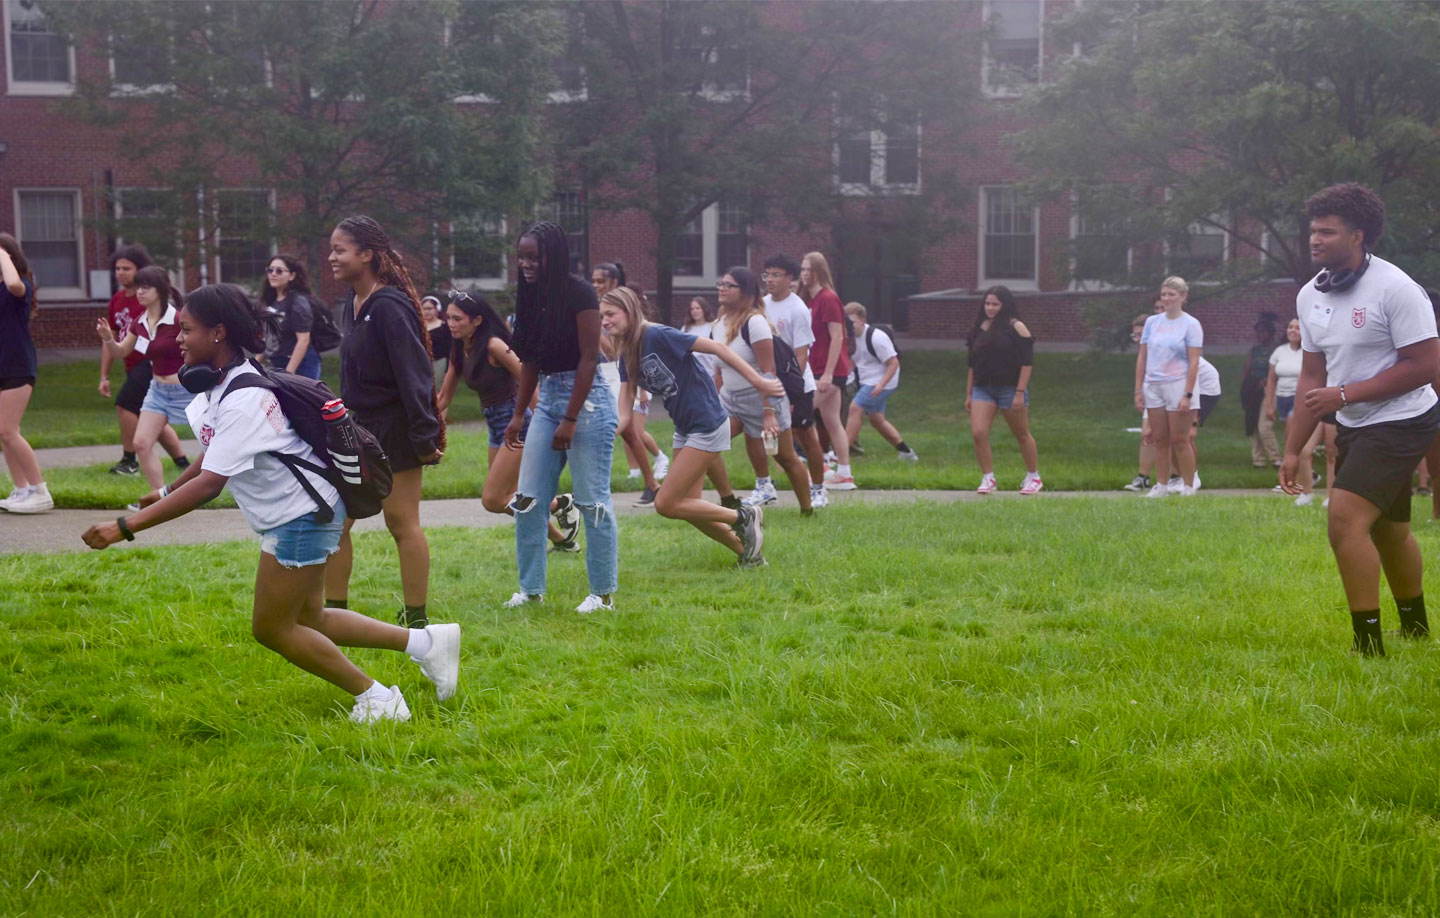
58 177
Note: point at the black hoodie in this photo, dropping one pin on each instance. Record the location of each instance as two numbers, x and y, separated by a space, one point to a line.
384 370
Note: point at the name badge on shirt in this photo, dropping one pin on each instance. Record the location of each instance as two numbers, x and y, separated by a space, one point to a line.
141 344
1320 314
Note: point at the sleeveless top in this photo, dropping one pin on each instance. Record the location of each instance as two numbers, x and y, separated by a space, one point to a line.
495 385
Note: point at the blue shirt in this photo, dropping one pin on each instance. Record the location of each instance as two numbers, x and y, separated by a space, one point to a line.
17 350
670 371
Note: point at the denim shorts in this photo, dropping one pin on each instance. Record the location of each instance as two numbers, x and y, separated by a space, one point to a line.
498 417
168 399
1000 396
875 404
304 542
1284 407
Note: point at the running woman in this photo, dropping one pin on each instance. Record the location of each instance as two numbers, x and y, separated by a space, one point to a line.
878 374
388 383
828 360
1166 369
1001 354
557 335
482 358
761 417
287 297
1370 352
154 335
792 321
663 360
17 380
240 434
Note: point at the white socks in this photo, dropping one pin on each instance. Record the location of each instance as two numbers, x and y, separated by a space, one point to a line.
842 470
762 482
418 645
376 692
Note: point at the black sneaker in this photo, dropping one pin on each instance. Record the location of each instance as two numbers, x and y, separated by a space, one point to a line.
181 462
1139 483
567 520
407 620
856 449
647 498
731 502
126 467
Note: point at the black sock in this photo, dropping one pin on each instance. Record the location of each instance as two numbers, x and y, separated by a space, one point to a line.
129 457
181 462
337 603
901 447
1368 640
1413 622
730 502
413 616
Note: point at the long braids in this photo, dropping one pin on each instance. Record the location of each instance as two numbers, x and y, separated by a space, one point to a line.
542 322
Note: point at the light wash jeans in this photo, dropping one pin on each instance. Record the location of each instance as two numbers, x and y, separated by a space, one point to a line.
589 457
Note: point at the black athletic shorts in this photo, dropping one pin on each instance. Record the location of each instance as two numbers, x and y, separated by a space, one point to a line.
802 411
137 382
1376 462
393 432
15 382
1207 405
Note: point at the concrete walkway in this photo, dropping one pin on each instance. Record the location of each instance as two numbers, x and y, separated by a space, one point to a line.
59 530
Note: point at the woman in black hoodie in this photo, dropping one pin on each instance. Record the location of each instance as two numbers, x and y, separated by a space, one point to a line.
386 380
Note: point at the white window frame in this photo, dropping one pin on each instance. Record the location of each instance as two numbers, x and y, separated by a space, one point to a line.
51 292
1078 284
131 89
1009 92
15 87
1033 283
498 282
877 185
218 235
709 249
117 213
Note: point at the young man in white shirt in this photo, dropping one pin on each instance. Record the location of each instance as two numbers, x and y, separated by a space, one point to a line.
1370 352
877 369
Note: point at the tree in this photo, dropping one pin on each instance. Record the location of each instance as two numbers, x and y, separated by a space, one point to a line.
693 102
1194 115
338 106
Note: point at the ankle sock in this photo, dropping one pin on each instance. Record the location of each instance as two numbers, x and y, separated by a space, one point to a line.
761 483
842 471
1368 639
1413 622
376 692
419 644
129 457
899 447
337 603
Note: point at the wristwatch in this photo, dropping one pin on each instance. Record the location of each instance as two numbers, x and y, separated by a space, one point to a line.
1189 394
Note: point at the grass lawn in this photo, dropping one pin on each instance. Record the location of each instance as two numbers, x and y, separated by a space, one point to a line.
1081 407
1097 707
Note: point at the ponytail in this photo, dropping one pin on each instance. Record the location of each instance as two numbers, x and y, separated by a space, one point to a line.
226 304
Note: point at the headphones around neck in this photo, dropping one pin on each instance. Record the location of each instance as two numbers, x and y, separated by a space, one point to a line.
1328 281
202 377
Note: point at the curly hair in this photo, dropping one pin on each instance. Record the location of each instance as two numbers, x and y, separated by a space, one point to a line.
300 283
1354 203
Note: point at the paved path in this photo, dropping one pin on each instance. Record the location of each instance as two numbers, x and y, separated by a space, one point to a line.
59 530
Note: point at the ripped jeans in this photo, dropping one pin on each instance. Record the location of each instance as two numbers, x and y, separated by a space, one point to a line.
589 458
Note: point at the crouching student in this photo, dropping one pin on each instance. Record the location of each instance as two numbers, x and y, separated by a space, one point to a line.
240 434
662 361
877 367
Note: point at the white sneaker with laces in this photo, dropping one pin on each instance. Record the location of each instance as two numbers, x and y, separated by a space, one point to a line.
909 455
595 603
841 483
819 498
1175 484
661 467
37 501
761 496
1031 485
517 600
16 495
1159 490
442 664
1187 491
368 710
1196 485
987 484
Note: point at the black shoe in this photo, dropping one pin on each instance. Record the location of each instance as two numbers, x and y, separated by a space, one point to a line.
731 502
567 520
856 449
126 467
647 498
181 462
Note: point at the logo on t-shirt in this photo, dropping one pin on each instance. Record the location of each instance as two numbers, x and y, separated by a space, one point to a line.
1357 317
658 378
273 414
206 433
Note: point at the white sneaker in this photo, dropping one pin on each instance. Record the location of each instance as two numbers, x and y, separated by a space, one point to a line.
830 457
1278 489
368 710
1305 500
661 466
16 495
1175 484
909 455
987 484
442 664
841 483
37 501
1196 485
819 497
633 473
594 603
517 600
1159 490
762 496
1187 491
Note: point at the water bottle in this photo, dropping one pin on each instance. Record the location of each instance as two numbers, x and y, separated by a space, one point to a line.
772 443
340 439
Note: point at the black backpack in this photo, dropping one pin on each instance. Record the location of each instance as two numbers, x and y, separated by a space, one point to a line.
354 461
787 366
324 333
870 338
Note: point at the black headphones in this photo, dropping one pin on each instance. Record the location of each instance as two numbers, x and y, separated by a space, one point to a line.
202 377
1328 281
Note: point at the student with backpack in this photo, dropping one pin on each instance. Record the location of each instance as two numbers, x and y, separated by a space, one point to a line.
252 447
302 328
877 375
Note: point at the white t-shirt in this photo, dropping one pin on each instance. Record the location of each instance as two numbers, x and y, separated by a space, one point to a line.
237 435
791 318
1207 381
1360 329
872 369
1287 360
730 379
1167 343
711 330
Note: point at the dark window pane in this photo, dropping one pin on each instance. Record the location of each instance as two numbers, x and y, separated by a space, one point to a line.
1014 45
902 153
243 220
1009 236
48 234
39 55
855 159
147 216
478 248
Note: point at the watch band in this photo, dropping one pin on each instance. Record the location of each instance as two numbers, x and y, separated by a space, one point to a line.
124 529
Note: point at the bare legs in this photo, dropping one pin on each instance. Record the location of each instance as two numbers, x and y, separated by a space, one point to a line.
402 518
20 459
1364 544
500 482
679 499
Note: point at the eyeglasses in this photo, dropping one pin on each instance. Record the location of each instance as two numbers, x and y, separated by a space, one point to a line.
725 285
274 270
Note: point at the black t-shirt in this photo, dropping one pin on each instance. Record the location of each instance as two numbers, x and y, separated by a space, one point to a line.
17 350
296 315
997 354
563 355
440 341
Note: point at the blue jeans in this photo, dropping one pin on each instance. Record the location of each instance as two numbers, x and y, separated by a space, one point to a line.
309 364
590 457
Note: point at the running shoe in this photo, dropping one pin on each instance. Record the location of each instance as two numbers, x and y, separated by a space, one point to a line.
517 600
909 455
180 462
647 498
16 495
731 502
1188 491
987 484
595 603
566 516
1031 485
442 664
662 466
1159 490
1139 483
749 527
126 467
368 710
830 457
757 561
841 483
1175 484
565 547
1305 500
762 496
818 497
1196 485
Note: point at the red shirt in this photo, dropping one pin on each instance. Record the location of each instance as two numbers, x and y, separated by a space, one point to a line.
162 350
825 308
125 308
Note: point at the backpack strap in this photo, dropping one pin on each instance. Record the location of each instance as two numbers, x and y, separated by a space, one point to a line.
323 513
870 341
745 333
257 380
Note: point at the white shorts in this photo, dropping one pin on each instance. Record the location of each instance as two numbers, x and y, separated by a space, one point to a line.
711 441
1165 395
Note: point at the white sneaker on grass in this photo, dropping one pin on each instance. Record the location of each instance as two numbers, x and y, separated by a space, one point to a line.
1031 485
1196 485
517 600
442 664
1159 490
1305 500
367 710
1175 484
1188 491
818 497
16 495
909 455
38 500
661 467
595 603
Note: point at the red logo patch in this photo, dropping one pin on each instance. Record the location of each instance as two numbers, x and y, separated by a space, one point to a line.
1357 317
206 433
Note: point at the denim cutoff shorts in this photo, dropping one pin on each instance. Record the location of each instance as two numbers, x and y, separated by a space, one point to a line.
498 417
304 541
875 404
169 399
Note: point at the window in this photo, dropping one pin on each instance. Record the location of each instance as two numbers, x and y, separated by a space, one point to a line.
244 239
244 63
139 65
49 232
149 216
1273 246
1100 237
1008 238
478 252
879 148
1200 251
1012 50
40 61
716 65
567 208
569 67
717 239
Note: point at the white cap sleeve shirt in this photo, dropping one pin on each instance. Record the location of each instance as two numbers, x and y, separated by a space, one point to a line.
1286 360
238 435
1359 331
730 378
791 318
1207 381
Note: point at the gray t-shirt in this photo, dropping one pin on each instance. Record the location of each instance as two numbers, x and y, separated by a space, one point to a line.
1360 329
791 318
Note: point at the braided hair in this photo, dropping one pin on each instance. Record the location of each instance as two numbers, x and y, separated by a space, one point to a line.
388 266
543 324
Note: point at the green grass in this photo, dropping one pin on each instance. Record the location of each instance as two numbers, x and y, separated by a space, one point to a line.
1081 407
1096 707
